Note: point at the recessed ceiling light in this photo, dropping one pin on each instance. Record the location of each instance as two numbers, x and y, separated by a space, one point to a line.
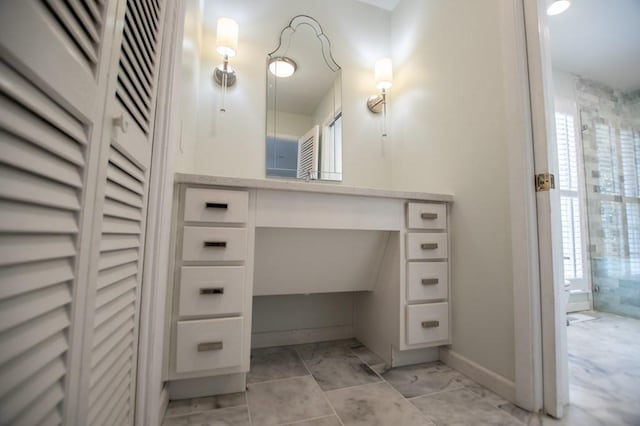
558 6
282 66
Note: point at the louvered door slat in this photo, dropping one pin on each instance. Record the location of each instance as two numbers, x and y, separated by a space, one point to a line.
142 23
114 395
116 209
77 32
27 218
113 369
15 280
89 25
108 354
31 248
94 10
41 407
142 85
19 339
21 368
29 188
31 305
116 273
45 378
52 419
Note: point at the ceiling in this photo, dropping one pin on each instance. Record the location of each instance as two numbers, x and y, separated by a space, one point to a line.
599 40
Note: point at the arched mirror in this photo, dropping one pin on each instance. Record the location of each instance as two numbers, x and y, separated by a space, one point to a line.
304 105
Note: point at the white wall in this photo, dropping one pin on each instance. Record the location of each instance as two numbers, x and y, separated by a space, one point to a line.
232 143
448 135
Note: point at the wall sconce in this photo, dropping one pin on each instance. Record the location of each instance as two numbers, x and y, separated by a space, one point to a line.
384 80
226 45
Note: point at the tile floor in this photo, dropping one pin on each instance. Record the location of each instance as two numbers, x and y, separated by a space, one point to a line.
343 383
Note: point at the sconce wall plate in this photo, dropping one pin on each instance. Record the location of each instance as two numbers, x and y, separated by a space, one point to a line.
219 74
375 103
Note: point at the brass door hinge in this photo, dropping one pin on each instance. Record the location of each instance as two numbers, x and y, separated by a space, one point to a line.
545 181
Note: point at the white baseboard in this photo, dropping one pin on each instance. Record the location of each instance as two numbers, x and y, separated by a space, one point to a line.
207 386
487 378
164 401
297 337
415 356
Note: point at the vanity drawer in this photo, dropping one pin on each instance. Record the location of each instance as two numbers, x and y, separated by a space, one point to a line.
426 246
426 216
427 323
211 290
214 244
216 205
427 281
208 344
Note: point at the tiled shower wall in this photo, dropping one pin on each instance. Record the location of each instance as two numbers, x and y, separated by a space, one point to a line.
610 123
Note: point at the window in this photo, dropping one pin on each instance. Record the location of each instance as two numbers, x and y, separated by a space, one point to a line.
572 239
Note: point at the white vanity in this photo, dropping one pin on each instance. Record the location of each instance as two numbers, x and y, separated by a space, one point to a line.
236 239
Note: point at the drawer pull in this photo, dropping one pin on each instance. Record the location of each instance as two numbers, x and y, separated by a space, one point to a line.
215 290
430 216
429 246
430 324
215 244
209 346
217 205
430 281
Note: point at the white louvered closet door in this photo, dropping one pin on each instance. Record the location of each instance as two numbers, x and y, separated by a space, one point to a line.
123 185
52 98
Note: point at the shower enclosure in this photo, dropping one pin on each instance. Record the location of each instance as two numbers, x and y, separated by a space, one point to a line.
611 154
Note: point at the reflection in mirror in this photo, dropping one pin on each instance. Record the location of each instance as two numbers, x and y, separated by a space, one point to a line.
304 105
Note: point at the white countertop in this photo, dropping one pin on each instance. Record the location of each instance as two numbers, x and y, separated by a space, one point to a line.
314 186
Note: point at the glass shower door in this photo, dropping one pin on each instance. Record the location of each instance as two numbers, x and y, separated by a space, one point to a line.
611 150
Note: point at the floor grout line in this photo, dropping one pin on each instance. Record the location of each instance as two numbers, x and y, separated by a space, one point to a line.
278 380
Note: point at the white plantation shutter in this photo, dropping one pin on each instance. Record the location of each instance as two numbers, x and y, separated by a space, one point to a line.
123 188
308 150
51 100
573 256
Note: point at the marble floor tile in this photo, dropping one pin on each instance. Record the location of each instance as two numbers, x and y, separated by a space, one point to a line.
187 406
424 379
322 421
232 416
286 401
462 407
340 369
487 395
275 363
320 349
375 405
366 355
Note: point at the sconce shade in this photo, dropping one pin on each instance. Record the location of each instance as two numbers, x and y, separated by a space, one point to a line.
384 73
227 37
556 7
282 67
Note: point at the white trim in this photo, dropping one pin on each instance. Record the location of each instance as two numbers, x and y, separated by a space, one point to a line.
414 356
487 378
527 392
150 394
164 402
206 386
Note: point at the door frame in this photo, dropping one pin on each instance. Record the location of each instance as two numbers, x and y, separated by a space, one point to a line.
151 397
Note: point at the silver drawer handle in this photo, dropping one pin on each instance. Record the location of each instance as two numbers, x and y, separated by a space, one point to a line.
214 290
430 281
430 324
217 205
222 244
430 216
209 346
429 246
